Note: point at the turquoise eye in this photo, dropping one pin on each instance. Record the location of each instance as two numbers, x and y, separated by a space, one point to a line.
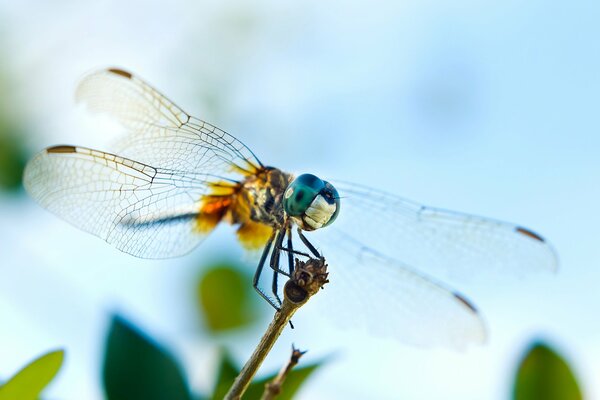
311 200
300 194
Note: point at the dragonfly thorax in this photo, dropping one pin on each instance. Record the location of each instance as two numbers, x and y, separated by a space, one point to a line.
261 196
311 202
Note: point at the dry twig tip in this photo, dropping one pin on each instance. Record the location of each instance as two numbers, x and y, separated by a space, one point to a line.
273 388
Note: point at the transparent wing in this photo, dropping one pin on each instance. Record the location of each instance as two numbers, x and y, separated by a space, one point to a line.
144 211
389 299
450 245
161 133
387 255
147 207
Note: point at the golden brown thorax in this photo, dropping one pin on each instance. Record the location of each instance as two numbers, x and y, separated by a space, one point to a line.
255 204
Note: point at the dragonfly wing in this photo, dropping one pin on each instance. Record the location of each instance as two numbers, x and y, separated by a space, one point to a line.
379 240
444 244
390 299
160 132
144 211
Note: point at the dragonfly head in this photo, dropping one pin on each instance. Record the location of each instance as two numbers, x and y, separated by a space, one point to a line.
311 202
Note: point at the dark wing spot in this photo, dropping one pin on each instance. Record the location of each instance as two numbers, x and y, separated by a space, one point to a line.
121 72
529 233
466 302
61 149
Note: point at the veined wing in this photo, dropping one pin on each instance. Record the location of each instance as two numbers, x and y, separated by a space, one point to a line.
387 253
390 299
144 211
160 132
445 244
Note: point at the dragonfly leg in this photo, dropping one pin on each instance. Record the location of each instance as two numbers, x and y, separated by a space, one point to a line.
308 244
274 263
290 250
274 287
259 268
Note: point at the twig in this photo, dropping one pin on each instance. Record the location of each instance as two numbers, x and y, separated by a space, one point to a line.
273 388
307 279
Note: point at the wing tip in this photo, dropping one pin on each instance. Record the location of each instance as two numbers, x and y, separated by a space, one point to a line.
33 175
540 239
481 337
81 94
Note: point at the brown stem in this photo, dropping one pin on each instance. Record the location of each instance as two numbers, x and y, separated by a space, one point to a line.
307 279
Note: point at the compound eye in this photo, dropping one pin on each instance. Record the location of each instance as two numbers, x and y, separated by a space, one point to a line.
330 194
300 194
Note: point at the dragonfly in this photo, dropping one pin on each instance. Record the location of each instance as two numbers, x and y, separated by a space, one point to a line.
172 178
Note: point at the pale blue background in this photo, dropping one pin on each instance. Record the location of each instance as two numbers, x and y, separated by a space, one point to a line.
486 107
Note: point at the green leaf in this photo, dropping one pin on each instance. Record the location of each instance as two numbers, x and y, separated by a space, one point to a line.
226 298
543 374
295 379
13 149
136 367
226 374
13 155
28 383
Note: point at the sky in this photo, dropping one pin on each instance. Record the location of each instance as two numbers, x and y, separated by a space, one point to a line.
483 107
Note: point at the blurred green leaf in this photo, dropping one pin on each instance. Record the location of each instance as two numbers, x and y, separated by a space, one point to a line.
228 372
226 298
225 376
135 367
543 374
31 380
13 155
13 152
